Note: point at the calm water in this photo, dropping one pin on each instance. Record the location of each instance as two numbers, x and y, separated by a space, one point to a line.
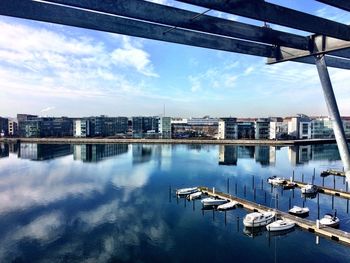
116 203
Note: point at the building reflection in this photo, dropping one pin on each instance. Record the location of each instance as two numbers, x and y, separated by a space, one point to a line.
4 150
227 155
304 153
97 152
40 152
13 147
262 155
141 153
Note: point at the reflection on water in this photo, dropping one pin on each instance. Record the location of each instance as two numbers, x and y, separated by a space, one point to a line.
98 152
266 155
116 203
4 150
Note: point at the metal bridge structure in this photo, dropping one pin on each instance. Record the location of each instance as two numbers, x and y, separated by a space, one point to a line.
327 44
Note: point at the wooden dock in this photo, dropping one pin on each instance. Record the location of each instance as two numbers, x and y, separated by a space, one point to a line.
308 225
332 172
326 190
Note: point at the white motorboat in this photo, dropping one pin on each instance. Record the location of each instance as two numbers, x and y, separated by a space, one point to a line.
274 180
299 211
257 219
229 205
280 225
195 195
330 220
186 191
309 189
210 201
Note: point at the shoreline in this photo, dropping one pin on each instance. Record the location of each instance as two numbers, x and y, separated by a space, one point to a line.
166 141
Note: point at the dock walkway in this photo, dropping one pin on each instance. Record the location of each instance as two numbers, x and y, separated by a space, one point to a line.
334 234
325 190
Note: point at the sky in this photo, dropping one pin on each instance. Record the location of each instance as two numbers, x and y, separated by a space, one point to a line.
54 70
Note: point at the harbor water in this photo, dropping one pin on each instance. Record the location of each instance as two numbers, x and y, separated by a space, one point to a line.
117 203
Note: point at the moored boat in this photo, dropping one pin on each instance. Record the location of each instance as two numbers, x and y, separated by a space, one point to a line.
299 211
309 189
196 195
257 219
229 205
280 225
274 180
330 220
186 191
210 201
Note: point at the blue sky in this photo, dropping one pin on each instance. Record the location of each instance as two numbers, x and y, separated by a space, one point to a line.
56 70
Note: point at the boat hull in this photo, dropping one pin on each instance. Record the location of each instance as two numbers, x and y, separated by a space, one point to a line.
279 226
213 202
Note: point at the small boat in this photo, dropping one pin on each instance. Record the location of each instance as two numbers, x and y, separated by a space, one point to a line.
309 189
256 219
330 220
195 195
274 180
186 191
289 185
210 201
280 225
229 205
299 211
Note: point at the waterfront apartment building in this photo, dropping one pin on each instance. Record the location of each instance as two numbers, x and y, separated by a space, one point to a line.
22 119
278 130
4 122
165 127
46 127
81 128
227 129
101 126
144 126
12 128
262 128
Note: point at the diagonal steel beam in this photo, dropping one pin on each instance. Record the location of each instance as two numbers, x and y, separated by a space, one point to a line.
342 4
264 11
180 18
97 21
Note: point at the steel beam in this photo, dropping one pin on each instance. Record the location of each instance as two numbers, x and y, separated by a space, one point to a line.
320 45
333 62
180 18
333 112
268 12
342 4
97 21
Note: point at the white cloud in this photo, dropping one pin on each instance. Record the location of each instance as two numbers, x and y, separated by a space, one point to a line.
48 109
46 61
133 57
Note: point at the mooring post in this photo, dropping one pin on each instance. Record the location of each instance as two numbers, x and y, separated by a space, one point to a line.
318 205
169 194
228 185
245 191
302 177
332 202
253 181
333 181
333 112
293 175
262 184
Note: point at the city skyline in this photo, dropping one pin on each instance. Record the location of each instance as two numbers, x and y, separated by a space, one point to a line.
53 70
